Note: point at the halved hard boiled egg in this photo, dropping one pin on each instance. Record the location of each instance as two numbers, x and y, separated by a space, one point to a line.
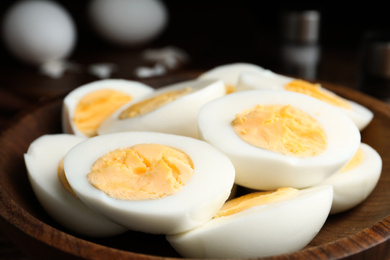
171 109
150 182
87 106
230 73
360 115
45 173
259 224
279 138
355 182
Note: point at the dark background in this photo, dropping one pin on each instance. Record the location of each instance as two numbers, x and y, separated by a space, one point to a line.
213 32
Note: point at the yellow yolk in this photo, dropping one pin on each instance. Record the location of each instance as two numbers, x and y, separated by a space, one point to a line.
140 172
151 104
315 90
255 199
230 89
62 177
282 129
357 159
95 107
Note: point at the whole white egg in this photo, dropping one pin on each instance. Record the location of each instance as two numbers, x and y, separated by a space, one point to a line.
87 106
194 204
128 22
260 231
39 31
178 116
42 160
355 182
267 79
264 169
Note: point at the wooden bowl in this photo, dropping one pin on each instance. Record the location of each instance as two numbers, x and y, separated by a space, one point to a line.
360 233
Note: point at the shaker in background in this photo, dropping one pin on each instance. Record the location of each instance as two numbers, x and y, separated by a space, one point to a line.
300 51
374 74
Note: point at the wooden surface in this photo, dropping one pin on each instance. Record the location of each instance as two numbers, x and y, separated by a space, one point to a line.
361 233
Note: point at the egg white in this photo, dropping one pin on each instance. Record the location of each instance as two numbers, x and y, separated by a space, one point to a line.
260 231
262 169
177 117
229 73
42 159
352 187
194 204
133 88
360 115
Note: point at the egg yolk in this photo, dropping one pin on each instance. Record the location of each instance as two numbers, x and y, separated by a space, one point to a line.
95 107
255 199
141 172
153 103
62 177
282 129
316 91
230 89
356 160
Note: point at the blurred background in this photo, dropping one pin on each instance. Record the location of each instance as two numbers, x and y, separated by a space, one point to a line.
191 35
210 33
